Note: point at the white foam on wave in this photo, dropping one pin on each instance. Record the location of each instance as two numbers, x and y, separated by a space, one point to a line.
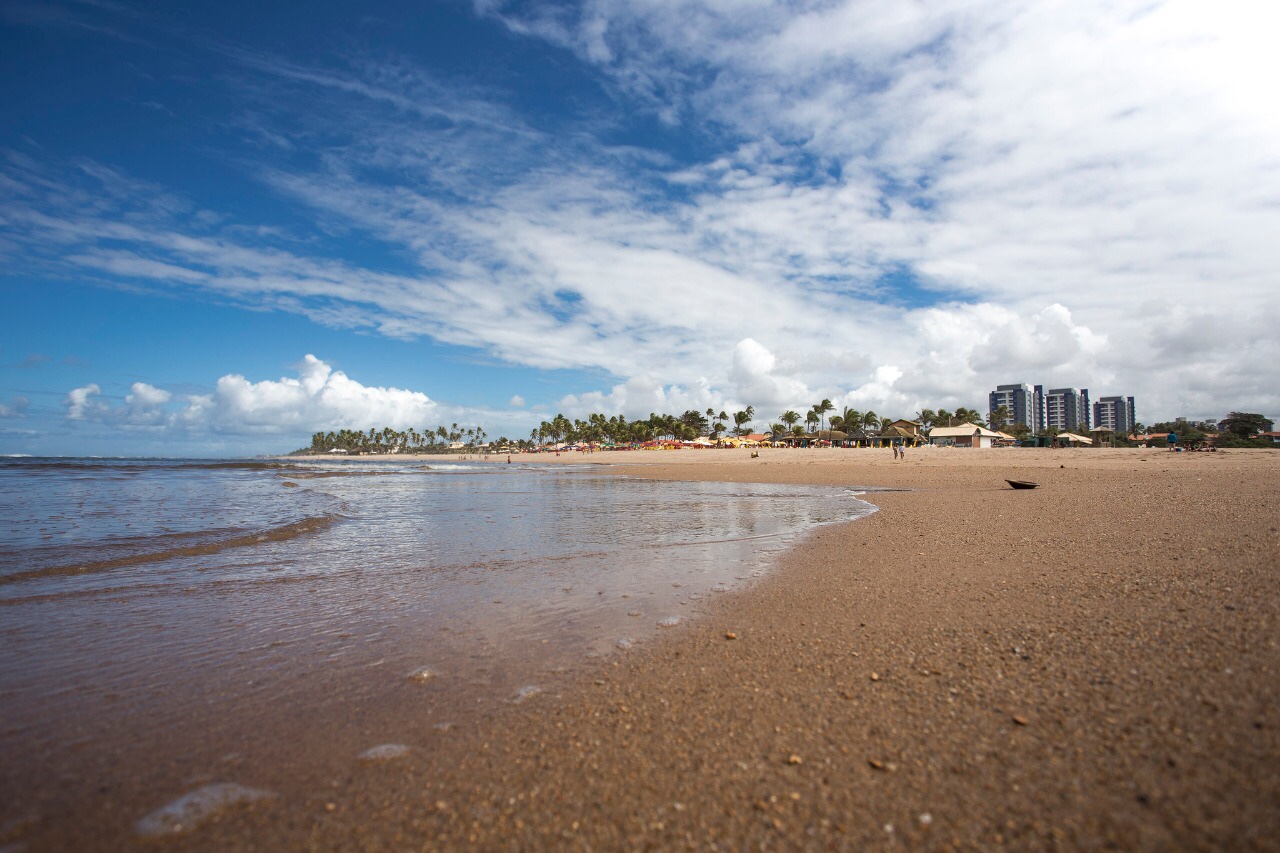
527 692
199 805
384 752
423 673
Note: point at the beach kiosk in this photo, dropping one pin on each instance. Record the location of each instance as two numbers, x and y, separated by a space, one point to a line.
965 435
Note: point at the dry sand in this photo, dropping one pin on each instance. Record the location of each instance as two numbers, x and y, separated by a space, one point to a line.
1094 663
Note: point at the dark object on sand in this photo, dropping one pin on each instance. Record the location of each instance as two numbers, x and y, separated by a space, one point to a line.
1022 484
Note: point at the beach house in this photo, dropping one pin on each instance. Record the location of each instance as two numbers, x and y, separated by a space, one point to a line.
965 435
901 432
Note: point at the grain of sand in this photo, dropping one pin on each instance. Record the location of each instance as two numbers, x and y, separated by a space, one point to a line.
1091 664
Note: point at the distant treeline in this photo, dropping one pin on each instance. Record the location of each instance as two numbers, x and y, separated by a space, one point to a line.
617 429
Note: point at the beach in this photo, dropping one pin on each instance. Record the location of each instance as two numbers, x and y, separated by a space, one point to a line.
1092 663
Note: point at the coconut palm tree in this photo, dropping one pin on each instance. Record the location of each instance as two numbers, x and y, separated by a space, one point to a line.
851 418
822 408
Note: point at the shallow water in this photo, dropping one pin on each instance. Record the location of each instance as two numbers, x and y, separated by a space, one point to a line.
160 615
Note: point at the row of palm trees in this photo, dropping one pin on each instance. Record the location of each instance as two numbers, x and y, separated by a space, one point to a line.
388 440
929 418
617 429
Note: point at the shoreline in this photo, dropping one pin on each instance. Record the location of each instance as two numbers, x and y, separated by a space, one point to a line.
1093 662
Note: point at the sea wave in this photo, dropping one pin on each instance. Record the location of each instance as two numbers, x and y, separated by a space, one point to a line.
137 466
323 474
176 548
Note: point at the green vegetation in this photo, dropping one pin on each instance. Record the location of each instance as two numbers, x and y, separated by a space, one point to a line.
929 419
1245 424
1237 430
387 440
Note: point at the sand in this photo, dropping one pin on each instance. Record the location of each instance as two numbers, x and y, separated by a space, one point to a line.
1094 663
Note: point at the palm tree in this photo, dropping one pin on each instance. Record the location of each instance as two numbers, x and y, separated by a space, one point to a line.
741 419
870 420
790 417
822 409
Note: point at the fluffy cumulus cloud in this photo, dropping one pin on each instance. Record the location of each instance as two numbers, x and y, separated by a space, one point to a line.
319 398
640 397
82 403
144 405
754 377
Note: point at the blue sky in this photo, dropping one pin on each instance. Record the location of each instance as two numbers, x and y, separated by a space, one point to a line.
224 226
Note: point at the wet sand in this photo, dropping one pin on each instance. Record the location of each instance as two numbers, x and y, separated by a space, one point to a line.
1092 663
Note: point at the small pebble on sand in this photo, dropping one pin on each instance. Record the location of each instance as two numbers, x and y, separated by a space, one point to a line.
669 622
729 635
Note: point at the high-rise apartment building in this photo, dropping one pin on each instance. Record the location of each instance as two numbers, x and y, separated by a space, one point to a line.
1020 401
1115 413
1066 409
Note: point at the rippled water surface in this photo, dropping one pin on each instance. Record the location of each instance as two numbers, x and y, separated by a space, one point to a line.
209 603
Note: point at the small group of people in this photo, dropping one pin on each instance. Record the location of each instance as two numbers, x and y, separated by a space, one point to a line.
899 451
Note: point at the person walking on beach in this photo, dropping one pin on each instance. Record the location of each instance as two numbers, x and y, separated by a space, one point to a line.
895 452
902 454
1173 441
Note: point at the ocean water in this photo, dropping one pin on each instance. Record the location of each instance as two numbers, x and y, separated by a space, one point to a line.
152 608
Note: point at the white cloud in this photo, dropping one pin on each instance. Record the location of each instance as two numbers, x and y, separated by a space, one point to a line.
147 396
81 404
639 397
754 378
318 399
931 199
321 398
145 406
